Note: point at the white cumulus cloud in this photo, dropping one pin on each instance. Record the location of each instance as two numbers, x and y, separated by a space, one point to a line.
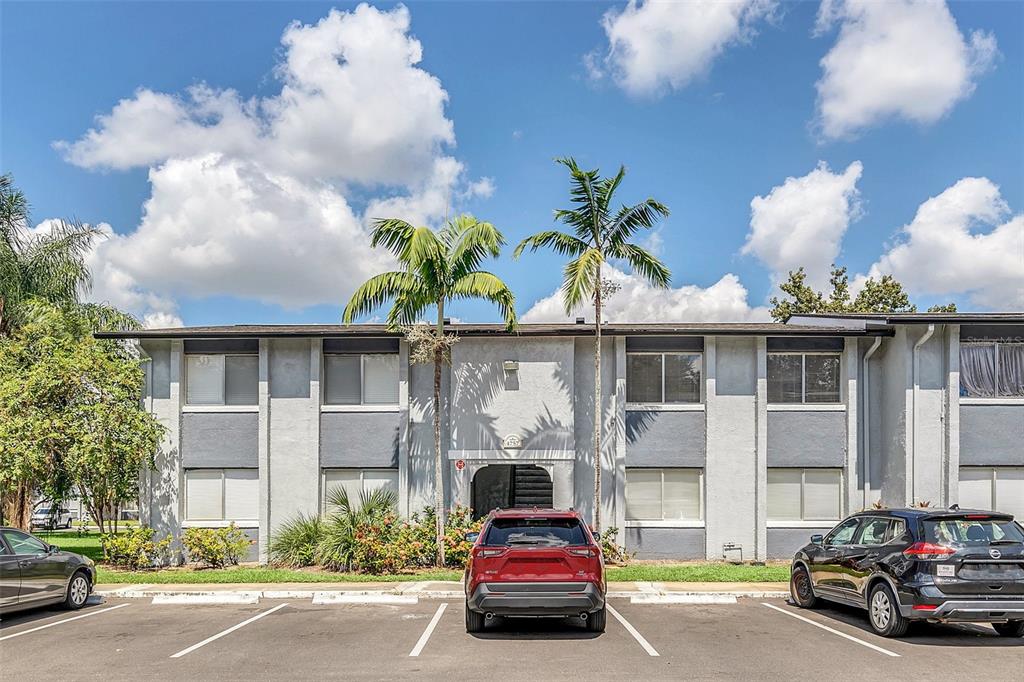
895 59
259 198
658 45
801 223
963 241
638 301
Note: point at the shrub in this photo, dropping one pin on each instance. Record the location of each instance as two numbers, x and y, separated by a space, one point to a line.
135 549
215 547
295 543
614 553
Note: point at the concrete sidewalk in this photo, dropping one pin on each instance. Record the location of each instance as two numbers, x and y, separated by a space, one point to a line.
407 592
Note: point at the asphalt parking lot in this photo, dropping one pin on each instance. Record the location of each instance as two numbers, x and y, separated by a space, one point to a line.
294 639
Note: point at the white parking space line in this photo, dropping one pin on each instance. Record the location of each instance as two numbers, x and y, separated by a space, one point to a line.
833 631
651 651
66 620
227 632
430 629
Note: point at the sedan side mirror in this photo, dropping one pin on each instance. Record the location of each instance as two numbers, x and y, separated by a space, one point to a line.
817 539
471 537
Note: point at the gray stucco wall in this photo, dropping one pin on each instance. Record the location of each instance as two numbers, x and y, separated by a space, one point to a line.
219 439
421 436
656 438
583 428
359 439
160 369
806 439
992 435
784 542
666 543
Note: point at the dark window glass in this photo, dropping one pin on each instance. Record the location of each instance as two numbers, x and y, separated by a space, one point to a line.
843 534
872 532
682 378
23 543
643 378
964 531
242 379
527 532
821 384
785 379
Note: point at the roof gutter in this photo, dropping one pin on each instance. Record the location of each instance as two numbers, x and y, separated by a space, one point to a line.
866 419
913 410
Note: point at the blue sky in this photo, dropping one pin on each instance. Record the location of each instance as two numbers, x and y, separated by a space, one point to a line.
705 129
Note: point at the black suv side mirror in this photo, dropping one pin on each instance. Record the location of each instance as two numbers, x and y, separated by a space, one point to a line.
817 539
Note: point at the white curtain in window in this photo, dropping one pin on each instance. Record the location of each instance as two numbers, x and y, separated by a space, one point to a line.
348 479
975 488
1011 369
203 490
977 370
784 494
341 376
241 494
205 379
380 379
374 479
242 379
1010 491
681 490
643 494
822 494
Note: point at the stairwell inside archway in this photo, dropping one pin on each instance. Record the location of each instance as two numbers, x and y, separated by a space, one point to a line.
509 486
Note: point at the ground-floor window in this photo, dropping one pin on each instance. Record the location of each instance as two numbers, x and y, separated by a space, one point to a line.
805 494
222 494
664 495
996 488
358 482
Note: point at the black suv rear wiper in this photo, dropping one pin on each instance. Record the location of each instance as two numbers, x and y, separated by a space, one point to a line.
1004 542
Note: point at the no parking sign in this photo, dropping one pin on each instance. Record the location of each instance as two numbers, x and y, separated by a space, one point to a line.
460 464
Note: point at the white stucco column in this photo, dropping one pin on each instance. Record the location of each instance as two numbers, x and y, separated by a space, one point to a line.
852 473
761 453
263 449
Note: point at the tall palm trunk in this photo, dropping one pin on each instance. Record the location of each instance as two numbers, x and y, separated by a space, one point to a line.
597 401
438 469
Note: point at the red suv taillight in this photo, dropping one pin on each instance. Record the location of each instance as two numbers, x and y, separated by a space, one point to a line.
927 551
583 551
484 553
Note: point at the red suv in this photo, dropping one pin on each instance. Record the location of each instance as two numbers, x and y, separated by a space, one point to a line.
535 562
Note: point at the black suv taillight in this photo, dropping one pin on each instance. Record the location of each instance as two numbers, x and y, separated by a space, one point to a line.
927 551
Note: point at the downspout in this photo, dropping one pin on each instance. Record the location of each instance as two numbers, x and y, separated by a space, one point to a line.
913 412
866 420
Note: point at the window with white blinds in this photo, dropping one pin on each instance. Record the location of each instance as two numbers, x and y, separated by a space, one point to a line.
222 379
663 378
222 494
356 482
367 379
994 488
803 378
664 495
805 494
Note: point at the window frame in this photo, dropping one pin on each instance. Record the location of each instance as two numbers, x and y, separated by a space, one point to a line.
827 541
803 375
996 395
223 520
803 521
223 382
362 480
662 403
663 522
362 404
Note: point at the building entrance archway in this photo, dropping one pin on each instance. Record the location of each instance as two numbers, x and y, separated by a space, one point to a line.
510 486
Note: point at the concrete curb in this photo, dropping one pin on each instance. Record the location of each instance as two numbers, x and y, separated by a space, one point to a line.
207 598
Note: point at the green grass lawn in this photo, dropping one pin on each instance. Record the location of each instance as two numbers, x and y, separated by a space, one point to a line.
89 545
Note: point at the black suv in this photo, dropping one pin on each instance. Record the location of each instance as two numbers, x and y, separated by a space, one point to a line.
937 565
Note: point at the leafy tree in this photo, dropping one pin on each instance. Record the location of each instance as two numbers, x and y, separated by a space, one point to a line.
885 295
599 233
437 267
70 417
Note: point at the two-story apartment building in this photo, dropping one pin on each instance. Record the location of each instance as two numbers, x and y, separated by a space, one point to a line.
719 440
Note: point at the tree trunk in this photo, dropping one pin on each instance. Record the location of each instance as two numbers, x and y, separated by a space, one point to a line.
597 401
438 469
18 512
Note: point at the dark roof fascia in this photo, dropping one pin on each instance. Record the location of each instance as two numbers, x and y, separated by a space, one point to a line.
922 318
367 331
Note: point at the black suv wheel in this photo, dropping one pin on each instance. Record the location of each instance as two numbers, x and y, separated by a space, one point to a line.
1013 628
884 612
800 588
474 620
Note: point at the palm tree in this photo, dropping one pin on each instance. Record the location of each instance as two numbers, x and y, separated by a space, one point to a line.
437 268
598 235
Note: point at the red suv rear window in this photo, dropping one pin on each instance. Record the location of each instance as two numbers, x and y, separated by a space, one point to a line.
532 532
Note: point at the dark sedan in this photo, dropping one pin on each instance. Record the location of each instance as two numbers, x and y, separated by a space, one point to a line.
902 565
35 573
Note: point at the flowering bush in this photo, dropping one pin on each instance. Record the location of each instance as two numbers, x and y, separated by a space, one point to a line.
215 547
614 553
135 549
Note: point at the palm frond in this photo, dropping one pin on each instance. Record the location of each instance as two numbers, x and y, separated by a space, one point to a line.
491 288
580 278
377 291
394 235
474 241
585 218
629 219
644 263
562 243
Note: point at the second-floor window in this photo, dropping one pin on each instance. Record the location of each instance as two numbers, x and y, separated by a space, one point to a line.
663 378
803 377
361 379
992 370
220 379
